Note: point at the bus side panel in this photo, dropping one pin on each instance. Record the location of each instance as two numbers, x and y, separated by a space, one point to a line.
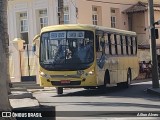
133 61
114 70
120 70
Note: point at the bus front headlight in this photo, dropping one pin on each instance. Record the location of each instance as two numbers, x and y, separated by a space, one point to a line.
44 75
91 72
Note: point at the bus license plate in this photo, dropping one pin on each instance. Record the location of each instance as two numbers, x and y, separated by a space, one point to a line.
65 81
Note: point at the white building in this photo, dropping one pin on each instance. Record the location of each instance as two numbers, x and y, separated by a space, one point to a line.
25 20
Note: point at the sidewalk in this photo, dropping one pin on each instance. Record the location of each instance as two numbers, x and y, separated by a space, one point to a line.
20 98
153 91
22 101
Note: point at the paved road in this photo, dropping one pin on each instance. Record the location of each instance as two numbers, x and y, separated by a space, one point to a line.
113 99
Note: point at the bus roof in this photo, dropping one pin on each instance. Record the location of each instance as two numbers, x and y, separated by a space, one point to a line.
87 26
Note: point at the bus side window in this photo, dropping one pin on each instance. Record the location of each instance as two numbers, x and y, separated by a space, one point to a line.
110 44
116 48
131 45
124 45
126 38
119 45
102 43
106 44
134 45
97 44
113 44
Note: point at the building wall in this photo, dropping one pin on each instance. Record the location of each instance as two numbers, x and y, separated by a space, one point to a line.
85 12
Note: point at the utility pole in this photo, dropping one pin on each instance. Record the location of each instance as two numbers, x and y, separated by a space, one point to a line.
60 12
155 81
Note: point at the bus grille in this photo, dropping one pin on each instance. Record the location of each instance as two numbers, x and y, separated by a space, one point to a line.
58 83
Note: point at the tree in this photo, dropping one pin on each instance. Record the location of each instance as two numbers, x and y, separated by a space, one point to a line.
4 60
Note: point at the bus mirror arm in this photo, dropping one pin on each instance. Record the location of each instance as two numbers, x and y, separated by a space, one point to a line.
34 49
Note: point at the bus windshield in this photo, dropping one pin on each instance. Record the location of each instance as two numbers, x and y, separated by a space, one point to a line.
67 47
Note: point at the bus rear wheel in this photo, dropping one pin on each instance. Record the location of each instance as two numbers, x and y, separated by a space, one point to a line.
59 90
129 79
128 82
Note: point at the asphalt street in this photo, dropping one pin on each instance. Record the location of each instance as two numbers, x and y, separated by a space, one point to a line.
115 102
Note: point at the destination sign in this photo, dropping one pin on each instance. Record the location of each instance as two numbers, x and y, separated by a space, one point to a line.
75 34
70 34
55 35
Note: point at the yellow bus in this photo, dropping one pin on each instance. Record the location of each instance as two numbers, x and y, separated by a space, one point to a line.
87 56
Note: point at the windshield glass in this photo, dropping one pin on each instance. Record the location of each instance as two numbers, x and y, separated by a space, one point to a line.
67 47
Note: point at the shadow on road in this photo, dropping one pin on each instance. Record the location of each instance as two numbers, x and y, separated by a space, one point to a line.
136 90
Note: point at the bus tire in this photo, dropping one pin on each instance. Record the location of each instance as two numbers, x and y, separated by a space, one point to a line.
129 79
59 90
128 82
106 80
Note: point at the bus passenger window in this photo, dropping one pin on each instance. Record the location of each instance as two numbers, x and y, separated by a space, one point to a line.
121 39
102 43
119 51
110 44
124 45
107 45
134 45
126 38
131 45
115 42
97 44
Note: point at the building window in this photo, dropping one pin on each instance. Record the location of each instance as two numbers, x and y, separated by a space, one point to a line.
66 15
43 18
95 19
23 22
95 15
24 27
113 21
114 13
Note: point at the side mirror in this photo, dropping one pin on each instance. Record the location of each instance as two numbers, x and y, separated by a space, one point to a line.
34 48
36 40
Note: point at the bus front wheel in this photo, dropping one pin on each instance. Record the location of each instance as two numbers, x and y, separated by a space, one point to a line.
106 80
59 90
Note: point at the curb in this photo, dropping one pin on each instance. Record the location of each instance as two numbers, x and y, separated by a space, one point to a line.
20 95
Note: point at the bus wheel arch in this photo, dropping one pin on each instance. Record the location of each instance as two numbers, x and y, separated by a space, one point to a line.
106 77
